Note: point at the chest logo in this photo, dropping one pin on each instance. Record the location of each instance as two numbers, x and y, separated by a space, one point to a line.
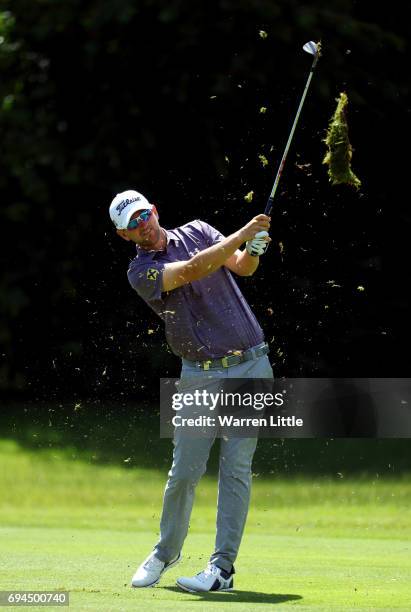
152 274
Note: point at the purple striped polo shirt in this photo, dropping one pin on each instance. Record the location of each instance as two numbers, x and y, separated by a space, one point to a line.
205 319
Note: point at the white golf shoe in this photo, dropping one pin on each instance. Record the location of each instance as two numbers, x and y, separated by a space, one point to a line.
213 578
151 570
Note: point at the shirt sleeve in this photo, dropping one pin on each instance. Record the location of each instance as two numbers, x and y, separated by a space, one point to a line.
211 234
147 279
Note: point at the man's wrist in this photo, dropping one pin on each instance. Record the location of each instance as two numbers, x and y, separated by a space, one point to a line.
240 238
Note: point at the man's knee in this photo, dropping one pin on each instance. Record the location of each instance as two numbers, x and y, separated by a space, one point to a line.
185 476
240 473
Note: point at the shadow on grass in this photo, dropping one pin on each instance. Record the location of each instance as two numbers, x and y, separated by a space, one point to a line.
240 596
128 435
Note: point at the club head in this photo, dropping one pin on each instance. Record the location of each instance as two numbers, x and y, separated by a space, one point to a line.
311 47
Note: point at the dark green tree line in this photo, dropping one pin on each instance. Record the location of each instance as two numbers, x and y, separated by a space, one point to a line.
100 96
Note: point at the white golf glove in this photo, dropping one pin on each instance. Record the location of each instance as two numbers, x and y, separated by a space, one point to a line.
258 245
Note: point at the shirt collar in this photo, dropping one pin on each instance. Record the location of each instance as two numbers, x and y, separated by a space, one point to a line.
171 236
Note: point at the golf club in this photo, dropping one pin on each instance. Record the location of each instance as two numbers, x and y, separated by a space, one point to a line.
313 49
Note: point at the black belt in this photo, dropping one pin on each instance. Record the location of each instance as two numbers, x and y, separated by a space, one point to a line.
234 359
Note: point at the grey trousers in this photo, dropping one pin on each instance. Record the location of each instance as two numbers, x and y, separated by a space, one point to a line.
190 458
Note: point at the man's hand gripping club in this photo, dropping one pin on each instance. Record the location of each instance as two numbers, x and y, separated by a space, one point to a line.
257 244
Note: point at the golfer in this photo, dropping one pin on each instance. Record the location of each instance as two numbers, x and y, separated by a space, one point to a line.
185 276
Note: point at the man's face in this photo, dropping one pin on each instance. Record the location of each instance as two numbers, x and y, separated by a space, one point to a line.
147 234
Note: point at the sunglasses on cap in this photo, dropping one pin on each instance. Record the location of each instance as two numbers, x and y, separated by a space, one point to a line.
142 218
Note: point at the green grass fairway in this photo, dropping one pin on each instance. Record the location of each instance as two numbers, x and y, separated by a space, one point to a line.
311 544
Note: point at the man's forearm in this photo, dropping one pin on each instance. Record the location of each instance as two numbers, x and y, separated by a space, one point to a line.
208 261
247 264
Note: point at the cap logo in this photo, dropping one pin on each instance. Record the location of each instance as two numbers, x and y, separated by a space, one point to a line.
124 203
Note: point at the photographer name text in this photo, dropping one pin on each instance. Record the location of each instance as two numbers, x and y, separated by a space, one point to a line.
231 421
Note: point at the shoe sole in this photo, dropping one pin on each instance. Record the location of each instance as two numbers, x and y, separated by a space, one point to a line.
184 588
153 584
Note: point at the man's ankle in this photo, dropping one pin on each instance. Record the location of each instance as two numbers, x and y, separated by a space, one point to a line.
227 573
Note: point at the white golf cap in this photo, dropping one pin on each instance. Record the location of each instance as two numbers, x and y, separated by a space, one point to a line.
125 205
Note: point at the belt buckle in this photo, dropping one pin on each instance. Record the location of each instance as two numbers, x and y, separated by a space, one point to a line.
225 360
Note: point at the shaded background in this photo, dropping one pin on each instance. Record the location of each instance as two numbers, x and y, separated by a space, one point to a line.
102 96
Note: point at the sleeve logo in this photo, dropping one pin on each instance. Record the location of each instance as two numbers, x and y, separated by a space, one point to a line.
152 274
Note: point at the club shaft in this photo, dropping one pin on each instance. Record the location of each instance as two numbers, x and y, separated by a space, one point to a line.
270 200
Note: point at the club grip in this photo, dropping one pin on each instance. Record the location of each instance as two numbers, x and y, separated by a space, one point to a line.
269 206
